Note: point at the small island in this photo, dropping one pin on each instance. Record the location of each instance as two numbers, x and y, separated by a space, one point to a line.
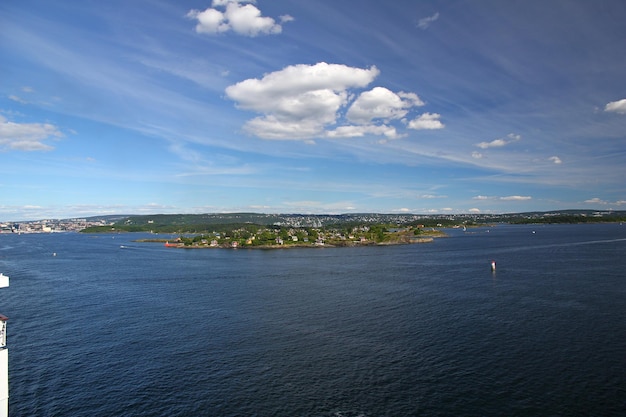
259 237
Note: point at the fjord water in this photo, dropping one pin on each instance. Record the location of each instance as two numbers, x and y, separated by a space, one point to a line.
112 327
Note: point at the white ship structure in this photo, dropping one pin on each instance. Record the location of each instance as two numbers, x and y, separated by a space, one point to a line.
4 358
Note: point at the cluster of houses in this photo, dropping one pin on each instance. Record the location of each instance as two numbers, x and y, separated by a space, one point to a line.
274 237
50 226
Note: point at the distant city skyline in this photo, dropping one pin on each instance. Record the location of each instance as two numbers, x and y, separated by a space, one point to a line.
319 107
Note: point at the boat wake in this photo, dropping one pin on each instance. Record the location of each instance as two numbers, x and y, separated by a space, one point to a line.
559 245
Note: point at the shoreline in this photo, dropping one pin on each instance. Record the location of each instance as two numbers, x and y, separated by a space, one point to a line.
415 241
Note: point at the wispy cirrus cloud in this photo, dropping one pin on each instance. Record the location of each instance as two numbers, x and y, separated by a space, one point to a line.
243 19
20 99
425 22
602 202
313 206
505 198
17 99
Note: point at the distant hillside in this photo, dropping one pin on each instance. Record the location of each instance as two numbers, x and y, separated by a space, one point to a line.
201 223
198 223
567 216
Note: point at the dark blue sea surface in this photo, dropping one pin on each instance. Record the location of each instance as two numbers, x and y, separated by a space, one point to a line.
113 327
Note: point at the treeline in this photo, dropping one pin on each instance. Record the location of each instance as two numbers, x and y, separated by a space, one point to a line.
569 219
204 223
171 228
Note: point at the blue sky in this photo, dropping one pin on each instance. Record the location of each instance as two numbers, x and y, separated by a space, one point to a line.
285 106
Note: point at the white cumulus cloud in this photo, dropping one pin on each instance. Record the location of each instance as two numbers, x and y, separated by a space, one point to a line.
381 103
299 100
428 121
555 159
297 80
236 15
354 131
595 200
618 106
493 144
516 198
317 101
497 143
26 136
